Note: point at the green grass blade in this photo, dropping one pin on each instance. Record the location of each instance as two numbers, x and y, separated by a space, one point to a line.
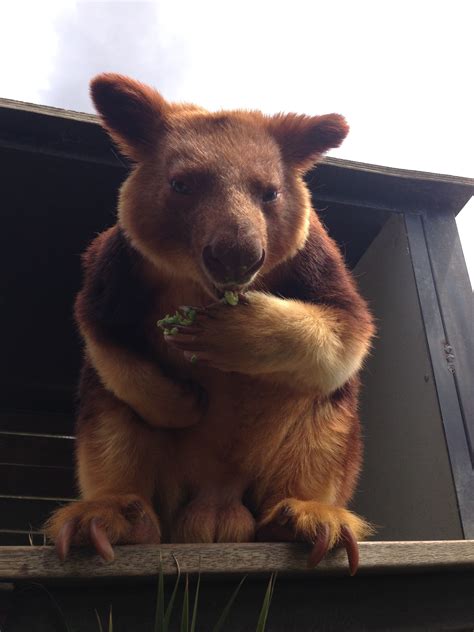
111 622
273 585
99 622
185 612
262 619
196 597
57 608
229 605
160 602
169 609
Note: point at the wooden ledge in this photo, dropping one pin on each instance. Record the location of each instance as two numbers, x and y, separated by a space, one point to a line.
23 563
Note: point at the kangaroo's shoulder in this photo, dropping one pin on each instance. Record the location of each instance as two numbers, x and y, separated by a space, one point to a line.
115 296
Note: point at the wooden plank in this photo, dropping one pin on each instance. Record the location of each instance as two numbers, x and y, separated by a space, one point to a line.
456 300
456 432
72 135
379 189
395 172
48 110
42 564
404 440
82 117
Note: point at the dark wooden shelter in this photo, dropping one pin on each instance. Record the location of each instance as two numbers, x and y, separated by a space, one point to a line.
397 230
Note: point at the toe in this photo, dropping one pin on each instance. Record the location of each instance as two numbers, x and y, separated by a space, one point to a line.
145 531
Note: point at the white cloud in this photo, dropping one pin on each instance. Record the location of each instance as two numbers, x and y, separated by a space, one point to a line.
29 44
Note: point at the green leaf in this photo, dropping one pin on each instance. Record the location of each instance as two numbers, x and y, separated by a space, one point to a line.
231 298
99 622
169 609
111 623
185 612
229 605
196 597
273 585
172 320
160 602
60 614
262 619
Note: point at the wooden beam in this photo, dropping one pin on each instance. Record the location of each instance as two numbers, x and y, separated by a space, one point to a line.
47 110
65 134
82 117
23 563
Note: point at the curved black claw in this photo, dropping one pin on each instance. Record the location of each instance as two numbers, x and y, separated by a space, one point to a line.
349 542
64 539
97 536
320 546
100 541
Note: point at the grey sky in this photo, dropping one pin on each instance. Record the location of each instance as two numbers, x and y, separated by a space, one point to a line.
93 37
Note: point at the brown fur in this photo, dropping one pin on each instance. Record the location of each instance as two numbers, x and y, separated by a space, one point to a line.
262 433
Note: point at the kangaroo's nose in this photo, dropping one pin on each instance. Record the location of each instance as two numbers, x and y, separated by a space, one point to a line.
231 262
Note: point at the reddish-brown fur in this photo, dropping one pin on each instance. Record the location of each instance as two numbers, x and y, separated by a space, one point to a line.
259 438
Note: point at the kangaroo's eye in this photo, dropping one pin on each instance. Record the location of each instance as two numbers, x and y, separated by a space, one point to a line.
270 195
181 187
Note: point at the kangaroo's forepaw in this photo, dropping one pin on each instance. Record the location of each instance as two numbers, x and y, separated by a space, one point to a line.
120 519
323 526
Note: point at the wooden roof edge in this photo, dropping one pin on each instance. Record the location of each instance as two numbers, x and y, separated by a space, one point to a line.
29 563
396 172
48 110
338 163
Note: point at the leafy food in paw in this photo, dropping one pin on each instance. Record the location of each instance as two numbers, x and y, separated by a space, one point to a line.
231 298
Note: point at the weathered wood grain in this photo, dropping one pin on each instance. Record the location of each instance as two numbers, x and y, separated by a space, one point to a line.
42 564
48 110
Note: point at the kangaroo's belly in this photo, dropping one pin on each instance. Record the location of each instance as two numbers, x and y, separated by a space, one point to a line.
246 425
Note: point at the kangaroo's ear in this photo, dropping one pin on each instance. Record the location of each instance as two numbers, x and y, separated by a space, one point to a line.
304 139
131 112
